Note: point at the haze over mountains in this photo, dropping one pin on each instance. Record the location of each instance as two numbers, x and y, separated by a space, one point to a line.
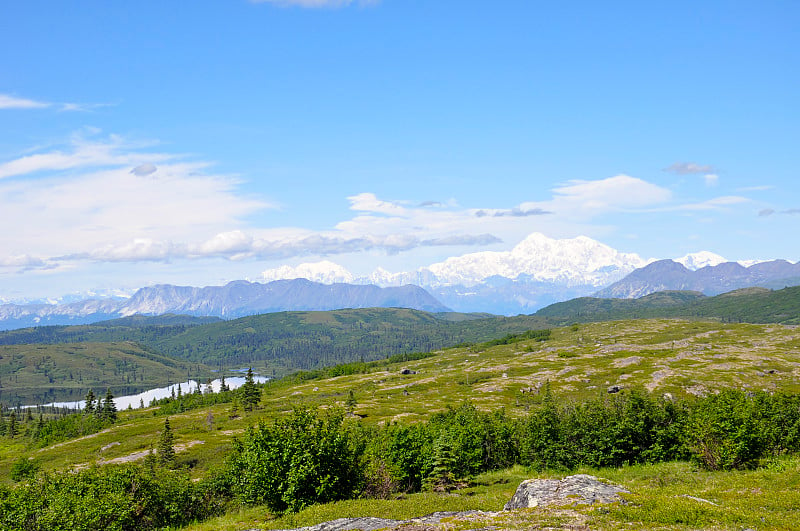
539 271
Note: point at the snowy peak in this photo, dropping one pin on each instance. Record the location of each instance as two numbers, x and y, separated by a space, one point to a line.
324 272
695 261
573 261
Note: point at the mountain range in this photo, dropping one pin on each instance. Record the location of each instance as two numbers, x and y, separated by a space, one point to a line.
537 272
709 280
235 299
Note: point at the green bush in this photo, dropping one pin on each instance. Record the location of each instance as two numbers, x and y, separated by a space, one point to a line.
111 498
734 429
24 468
297 461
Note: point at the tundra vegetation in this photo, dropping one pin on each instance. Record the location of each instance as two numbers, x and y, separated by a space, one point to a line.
705 409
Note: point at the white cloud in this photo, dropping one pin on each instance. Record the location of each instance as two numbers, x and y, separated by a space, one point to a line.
11 102
712 179
621 192
367 202
99 201
22 260
82 152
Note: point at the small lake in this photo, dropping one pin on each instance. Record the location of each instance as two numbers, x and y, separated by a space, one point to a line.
122 402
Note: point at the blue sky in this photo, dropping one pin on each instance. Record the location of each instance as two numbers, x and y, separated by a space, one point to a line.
195 143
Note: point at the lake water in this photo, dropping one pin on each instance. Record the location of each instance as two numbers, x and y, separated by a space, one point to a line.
122 402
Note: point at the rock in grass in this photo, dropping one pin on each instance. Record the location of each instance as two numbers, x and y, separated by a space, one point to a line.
572 490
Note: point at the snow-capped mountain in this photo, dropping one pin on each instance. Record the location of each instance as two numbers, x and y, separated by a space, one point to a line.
540 271
571 262
324 272
536 272
695 261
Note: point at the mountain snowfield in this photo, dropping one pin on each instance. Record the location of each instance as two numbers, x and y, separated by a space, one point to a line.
579 261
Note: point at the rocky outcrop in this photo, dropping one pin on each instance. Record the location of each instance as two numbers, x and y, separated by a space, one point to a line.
572 490
369 523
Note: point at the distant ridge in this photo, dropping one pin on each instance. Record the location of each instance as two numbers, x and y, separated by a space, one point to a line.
747 305
709 280
235 299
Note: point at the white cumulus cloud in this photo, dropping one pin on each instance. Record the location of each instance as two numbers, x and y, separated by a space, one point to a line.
11 102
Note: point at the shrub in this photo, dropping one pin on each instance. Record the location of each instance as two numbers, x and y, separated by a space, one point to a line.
726 431
116 498
297 461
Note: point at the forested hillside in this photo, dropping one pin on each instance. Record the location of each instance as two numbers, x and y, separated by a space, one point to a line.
749 305
39 374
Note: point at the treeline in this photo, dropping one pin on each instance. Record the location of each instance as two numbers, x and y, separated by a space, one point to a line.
310 457
282 464
290 341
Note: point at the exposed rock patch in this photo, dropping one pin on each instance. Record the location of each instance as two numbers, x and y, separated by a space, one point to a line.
369 523
572 490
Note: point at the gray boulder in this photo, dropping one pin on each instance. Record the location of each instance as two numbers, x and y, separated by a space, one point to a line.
572 490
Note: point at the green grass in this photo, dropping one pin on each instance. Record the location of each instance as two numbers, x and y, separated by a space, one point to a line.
676 356
766 498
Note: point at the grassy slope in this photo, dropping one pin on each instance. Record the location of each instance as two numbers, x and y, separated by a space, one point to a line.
760 499
674 356
43 373
679 357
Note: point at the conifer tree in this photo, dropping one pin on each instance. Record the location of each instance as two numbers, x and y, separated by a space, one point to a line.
11 431
223 386
89 408
209 387
3 426
109 411
251 395
441 477
166 449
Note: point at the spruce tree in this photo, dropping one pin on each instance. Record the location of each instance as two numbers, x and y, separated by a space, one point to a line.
223 386
109 411
251 395
89 408
166 450
441 478
11 430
